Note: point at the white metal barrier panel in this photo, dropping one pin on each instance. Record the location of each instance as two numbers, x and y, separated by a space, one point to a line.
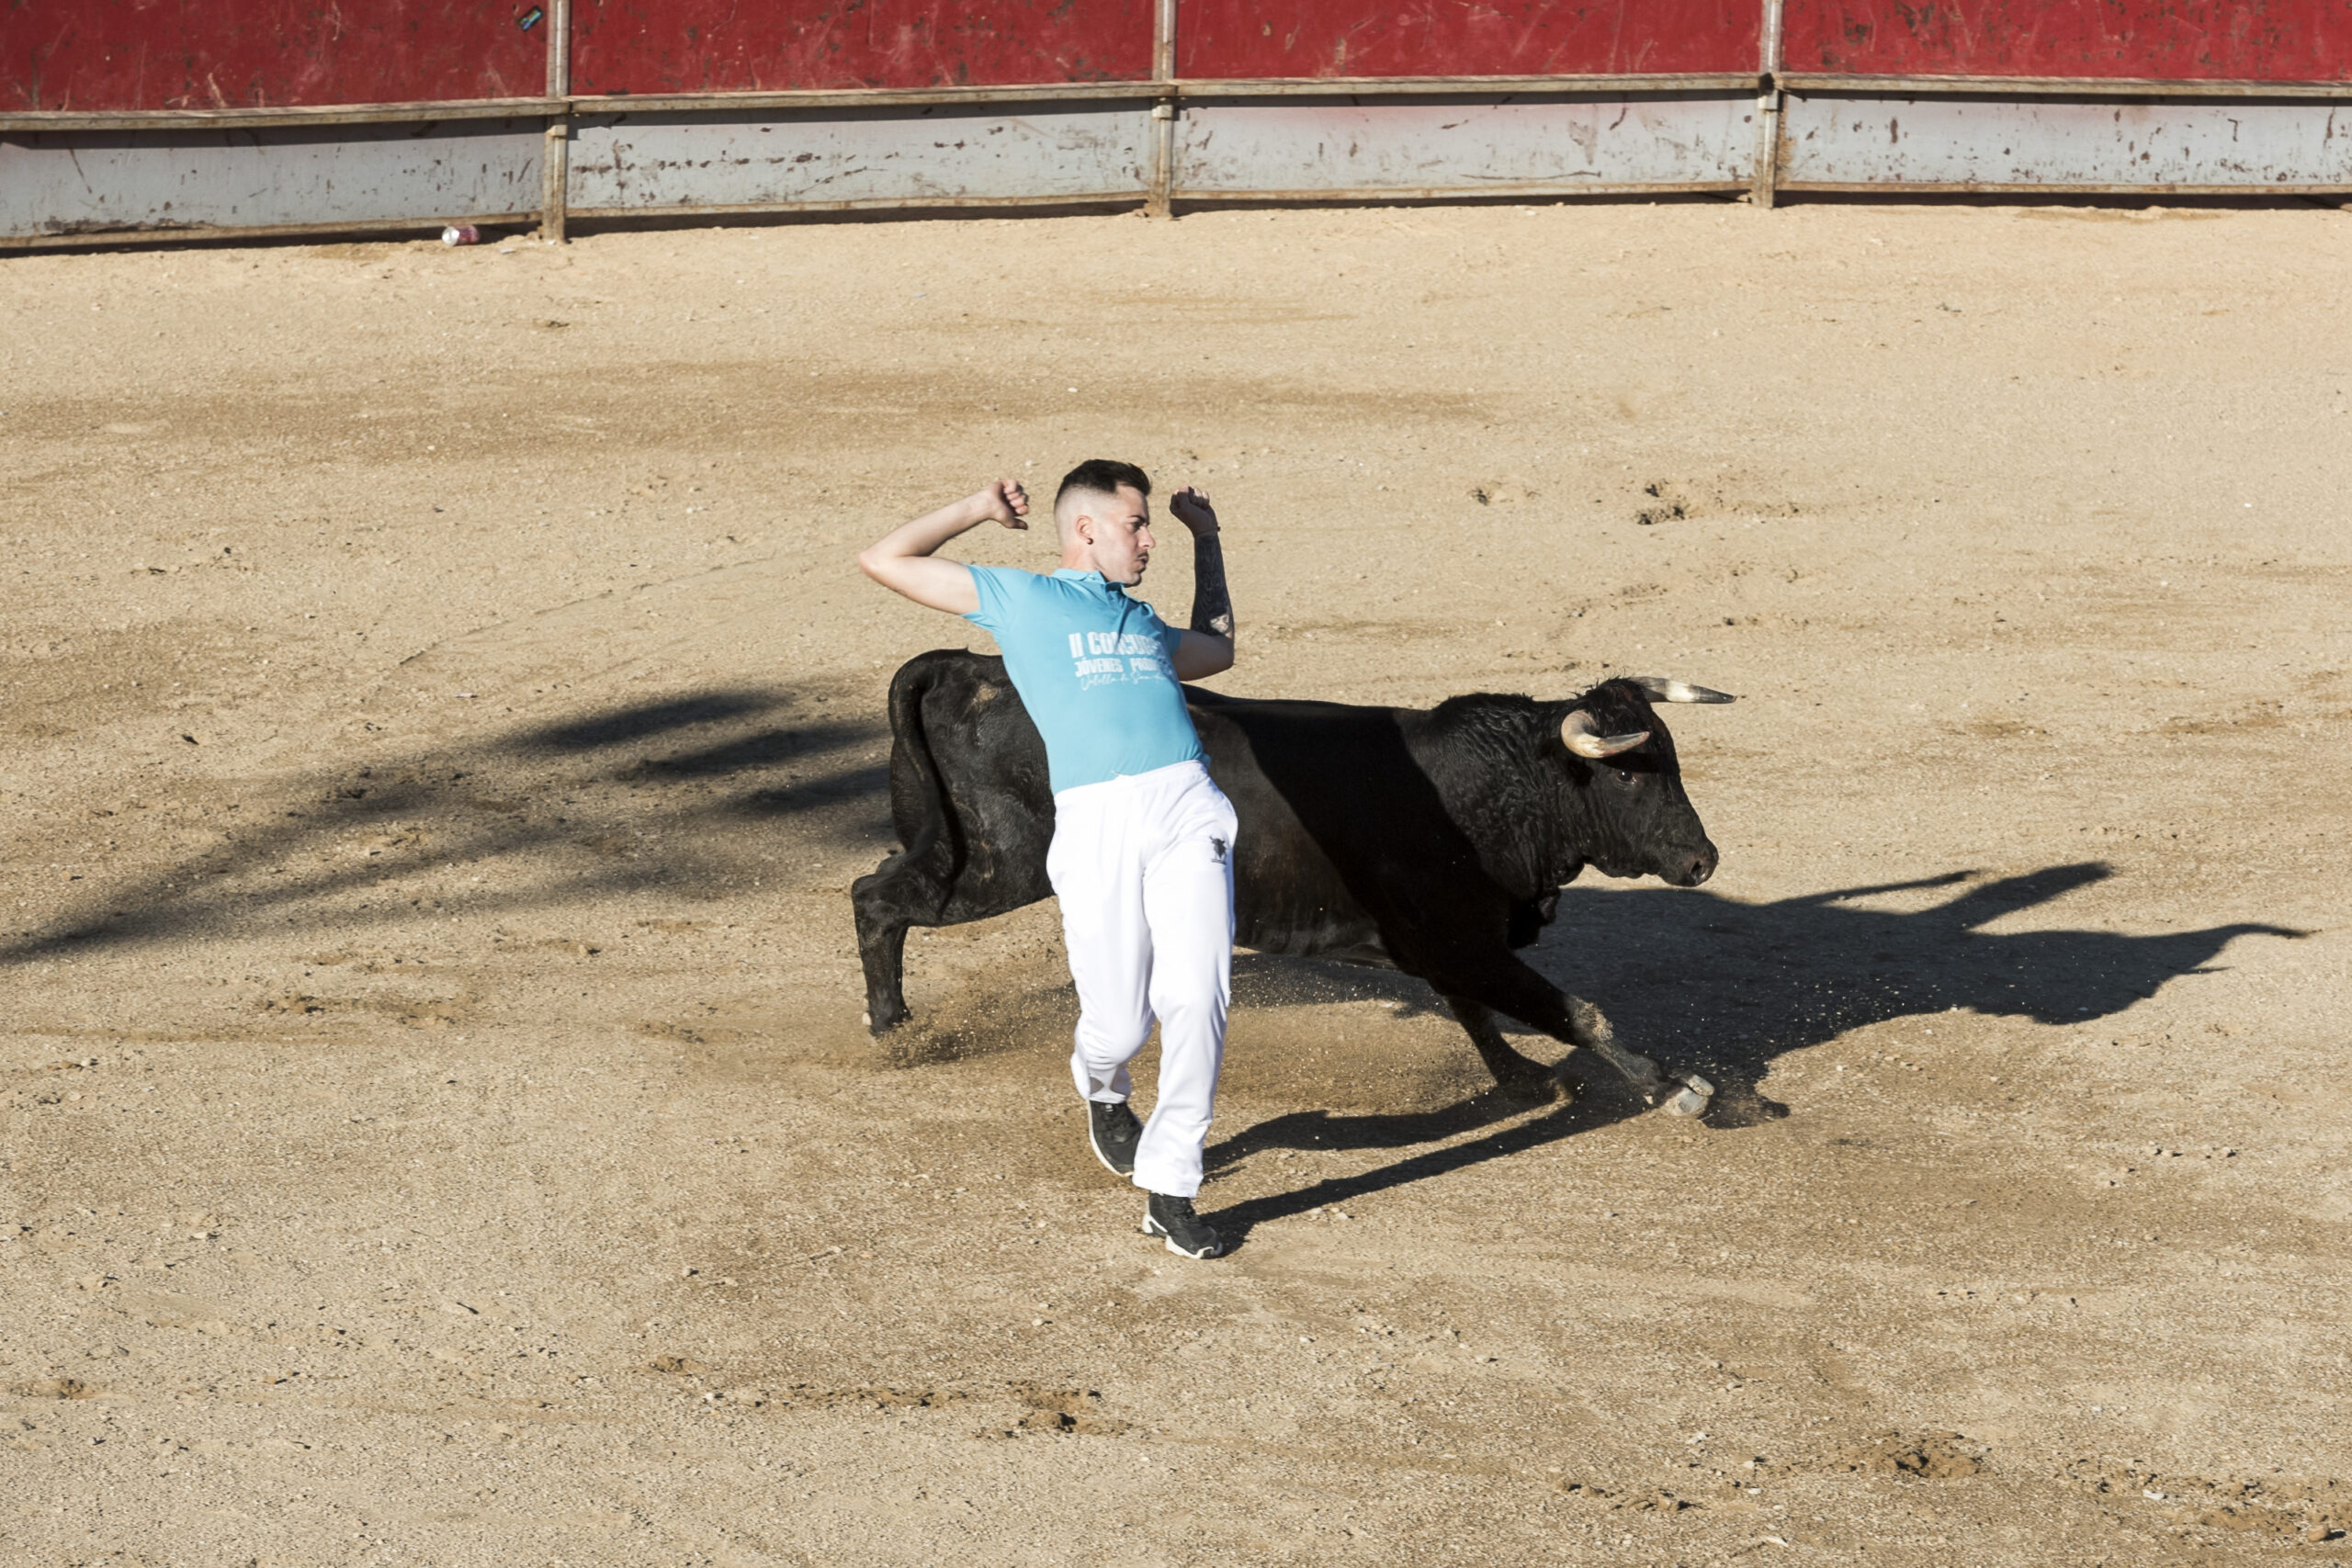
116 125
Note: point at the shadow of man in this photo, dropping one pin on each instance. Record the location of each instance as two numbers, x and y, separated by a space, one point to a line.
1730 988
692 770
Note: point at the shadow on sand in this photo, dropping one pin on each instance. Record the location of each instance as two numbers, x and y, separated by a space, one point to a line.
669 796
1701 981
682 795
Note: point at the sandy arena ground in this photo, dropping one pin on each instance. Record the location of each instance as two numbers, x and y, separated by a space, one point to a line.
443 719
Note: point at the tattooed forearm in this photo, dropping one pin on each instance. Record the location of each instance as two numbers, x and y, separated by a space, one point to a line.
1212 605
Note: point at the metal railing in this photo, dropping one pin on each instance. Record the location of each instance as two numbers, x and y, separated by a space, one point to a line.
1163 141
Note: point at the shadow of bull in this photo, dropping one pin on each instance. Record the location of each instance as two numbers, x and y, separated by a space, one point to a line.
1705 981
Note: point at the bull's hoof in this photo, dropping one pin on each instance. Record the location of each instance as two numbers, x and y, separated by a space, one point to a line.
1697 1092
888 1023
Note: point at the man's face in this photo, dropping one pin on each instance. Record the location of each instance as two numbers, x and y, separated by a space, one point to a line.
1118 530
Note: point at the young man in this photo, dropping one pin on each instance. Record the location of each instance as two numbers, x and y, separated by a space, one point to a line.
1142 858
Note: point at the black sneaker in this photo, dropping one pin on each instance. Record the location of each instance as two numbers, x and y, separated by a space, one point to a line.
1114 1131
1187 1235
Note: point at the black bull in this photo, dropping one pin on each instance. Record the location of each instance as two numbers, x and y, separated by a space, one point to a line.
1432 840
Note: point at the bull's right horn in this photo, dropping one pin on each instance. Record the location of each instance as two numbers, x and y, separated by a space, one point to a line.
1667 689
1577 734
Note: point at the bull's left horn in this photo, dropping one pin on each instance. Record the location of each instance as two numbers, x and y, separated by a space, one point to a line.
1577 734
1667 689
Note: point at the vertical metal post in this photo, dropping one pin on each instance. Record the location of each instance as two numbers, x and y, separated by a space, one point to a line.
1161 202
555 165
555 180
1768 112
560 49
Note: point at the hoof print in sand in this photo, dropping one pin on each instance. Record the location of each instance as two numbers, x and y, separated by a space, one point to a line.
1077 1412
1932 1456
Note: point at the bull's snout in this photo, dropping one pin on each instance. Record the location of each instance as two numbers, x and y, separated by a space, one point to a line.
1695 868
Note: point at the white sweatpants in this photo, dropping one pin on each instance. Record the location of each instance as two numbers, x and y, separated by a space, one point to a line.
1143 865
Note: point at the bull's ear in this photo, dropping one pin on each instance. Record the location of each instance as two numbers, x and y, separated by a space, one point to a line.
1577 734
1667 689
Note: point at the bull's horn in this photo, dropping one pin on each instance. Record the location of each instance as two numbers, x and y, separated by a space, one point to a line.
1667 689
1577 734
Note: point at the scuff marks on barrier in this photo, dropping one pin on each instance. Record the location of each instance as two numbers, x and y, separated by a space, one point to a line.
1645 140
647 161
57 183
1838 141
642 162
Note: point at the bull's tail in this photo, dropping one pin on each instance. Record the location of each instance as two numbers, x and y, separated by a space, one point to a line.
918 799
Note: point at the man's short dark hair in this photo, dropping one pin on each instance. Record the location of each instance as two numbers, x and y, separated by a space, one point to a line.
1105 475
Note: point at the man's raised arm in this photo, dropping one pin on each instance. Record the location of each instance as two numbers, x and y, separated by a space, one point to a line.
1208 647
902 561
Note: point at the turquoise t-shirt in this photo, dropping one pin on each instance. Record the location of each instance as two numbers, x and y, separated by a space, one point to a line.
1095 668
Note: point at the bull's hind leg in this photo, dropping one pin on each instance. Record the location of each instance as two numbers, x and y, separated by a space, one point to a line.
899 893
906 890
1517 1073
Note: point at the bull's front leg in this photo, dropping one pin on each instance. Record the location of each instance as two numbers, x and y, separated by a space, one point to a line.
1511 987
1592 1029
1514 1072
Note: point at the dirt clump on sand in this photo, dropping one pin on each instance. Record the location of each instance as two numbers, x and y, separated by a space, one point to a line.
1931 1456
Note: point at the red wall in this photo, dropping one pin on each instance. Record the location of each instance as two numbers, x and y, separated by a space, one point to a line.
2245 41
727 46
200 54
1465 38
162 55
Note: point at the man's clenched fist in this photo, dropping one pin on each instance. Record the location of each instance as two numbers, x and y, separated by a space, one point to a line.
1192 508
1005 501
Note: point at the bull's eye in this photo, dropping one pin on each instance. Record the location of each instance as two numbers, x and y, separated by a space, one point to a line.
1624 775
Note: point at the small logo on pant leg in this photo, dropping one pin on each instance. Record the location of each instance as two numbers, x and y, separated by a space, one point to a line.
1217 848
